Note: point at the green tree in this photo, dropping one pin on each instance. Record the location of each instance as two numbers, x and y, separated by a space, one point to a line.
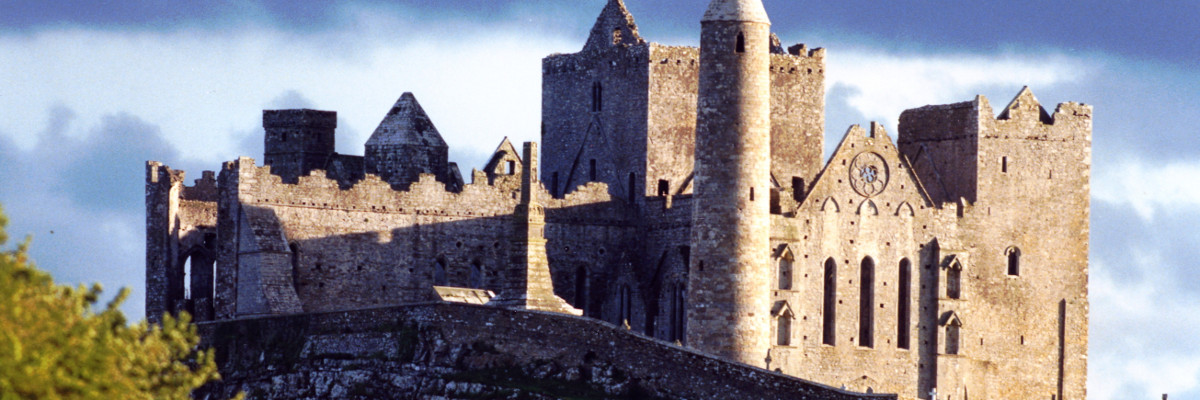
54 344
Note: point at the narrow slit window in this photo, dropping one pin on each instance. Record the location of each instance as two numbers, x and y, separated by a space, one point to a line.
592 170
632 187
597 97
554 185
1004 164
904 302
866 309
581 289
664 187
829 311
741 42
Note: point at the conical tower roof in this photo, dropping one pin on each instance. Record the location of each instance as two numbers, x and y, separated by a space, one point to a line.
737 10
406 124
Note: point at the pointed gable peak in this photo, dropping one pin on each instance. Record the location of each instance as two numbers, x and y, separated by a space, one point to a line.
737 10
1025 104
614 27
504 152
406 124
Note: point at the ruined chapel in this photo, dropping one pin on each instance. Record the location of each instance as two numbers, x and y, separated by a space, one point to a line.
678 208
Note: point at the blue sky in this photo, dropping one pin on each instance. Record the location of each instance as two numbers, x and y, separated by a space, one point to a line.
90 91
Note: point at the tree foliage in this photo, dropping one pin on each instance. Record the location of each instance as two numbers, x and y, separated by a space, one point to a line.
55 344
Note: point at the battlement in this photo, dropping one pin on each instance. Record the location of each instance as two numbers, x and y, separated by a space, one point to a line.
427 196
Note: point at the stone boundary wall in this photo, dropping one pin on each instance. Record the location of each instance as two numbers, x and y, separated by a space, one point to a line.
458 351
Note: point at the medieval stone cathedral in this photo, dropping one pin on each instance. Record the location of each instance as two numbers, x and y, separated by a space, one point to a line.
679 207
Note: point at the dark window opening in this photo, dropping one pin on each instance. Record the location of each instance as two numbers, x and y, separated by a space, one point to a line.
597 97
741 42
903 311
866 311
664 188
592 170
554 185
1014 261
512 167
751 193
678 313
829 325
581 288
1004 164
632 187
797 188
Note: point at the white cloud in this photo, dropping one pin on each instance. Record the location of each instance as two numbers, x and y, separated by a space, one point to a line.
1148 188
886 85
1143 342
203 87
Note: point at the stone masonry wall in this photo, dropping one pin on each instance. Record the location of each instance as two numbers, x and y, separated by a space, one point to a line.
370 245
458 351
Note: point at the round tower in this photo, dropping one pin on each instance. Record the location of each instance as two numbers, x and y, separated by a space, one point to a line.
728 311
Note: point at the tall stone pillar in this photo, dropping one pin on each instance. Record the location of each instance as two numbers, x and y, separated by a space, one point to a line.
728 304
527 282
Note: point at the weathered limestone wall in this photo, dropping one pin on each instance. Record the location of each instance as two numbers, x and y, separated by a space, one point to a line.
797 114
1034 170
671 131
443 351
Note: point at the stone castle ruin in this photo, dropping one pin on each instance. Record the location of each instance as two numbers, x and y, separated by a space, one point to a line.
680 208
